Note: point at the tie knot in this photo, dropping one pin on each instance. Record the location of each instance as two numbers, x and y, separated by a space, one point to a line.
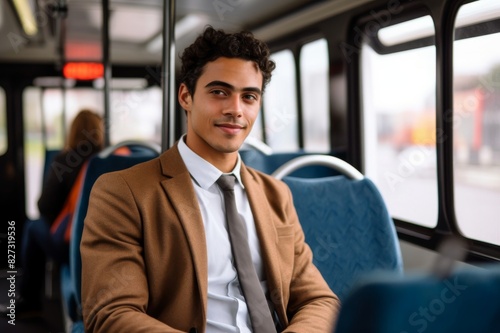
226 182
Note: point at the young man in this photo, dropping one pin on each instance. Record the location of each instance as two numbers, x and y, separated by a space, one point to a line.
156 252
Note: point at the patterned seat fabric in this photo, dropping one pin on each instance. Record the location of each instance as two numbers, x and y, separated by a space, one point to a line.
348 228
467 300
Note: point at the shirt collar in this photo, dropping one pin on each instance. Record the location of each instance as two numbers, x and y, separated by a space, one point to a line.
203 173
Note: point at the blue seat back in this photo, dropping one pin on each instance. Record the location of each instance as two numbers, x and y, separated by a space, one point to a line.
466 301
50 154
97 166
348 228
269 163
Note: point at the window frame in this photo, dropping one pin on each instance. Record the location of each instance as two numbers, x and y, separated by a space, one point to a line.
447 225
295 44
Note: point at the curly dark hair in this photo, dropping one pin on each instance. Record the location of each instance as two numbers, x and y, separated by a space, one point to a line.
213 44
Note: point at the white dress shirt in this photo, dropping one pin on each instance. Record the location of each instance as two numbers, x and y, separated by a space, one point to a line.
227 310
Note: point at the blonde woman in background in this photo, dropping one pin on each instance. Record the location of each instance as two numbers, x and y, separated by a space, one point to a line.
85 138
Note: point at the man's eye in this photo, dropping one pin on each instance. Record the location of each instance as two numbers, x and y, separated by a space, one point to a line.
251 97
217 92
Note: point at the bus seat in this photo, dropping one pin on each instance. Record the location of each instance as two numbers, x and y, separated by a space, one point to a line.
104 162
50 266
465 301
270 163
255 159
345 222
132 147
50 154
254 144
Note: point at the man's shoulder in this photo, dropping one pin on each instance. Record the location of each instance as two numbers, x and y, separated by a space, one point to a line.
143 173
143 169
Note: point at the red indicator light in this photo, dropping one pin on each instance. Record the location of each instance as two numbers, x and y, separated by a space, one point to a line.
83 70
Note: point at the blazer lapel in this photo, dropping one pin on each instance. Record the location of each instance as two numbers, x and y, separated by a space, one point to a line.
265 229
182 197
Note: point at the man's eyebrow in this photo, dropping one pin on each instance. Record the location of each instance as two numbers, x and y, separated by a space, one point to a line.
231 87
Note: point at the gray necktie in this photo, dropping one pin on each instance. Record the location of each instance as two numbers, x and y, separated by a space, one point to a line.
260 315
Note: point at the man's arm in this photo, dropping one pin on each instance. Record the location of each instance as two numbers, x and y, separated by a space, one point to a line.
114 283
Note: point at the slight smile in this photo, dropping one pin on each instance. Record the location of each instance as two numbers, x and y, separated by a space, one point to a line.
230 128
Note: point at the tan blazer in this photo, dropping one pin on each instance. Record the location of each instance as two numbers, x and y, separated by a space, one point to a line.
144 253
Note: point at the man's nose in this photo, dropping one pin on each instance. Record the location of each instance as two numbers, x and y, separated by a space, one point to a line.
233 106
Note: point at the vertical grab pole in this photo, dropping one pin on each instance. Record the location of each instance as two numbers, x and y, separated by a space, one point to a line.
107 68
168 75
61 11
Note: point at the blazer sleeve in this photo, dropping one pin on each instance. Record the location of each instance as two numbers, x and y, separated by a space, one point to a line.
114 283
312 306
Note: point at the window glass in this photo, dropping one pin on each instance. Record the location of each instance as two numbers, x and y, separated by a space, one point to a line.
33 149
280 104
3 123
476 122
398 93
53 115
256 132
135 115
314 91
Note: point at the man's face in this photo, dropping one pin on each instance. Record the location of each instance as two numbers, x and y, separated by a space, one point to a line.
224 107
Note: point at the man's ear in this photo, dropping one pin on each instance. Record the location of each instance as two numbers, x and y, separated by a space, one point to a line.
184 97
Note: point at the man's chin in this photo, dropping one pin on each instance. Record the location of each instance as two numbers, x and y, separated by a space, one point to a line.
228 148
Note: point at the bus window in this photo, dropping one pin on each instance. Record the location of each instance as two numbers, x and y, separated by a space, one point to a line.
33 145
3 123
49 102
314 92
280 105
136 115
398 93
53 115
476 121
257 128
